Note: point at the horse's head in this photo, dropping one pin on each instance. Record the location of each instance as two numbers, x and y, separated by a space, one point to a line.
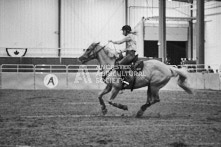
90 53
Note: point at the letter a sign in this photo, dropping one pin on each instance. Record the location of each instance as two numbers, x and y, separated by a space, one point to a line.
50 81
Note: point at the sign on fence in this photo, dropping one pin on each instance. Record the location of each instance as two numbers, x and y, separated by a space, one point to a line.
51 81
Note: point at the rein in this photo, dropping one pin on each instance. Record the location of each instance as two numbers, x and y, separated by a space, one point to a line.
94 55
105 76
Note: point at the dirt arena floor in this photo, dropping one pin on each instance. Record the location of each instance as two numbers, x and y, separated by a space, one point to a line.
73 118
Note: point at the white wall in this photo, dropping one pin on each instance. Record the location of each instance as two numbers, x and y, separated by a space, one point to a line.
28 23
139 29
34 24
175 33
88 21
149 8
213 33
179 9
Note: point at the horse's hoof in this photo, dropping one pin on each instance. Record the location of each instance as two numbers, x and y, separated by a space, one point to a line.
139 114
157 100
104 111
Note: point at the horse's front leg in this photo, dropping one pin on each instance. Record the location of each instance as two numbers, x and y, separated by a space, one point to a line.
105 91
114 93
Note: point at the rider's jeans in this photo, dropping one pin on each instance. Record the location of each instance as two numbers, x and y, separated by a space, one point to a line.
128 58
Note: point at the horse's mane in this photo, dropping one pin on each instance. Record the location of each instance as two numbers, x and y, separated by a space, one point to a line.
110 52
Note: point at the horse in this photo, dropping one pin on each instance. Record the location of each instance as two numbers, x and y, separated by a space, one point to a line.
155 75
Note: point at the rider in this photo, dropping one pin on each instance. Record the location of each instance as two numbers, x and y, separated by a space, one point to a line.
130 49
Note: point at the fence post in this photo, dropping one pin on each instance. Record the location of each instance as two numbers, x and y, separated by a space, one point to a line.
1 77
67 76
34 77
59 55
219 72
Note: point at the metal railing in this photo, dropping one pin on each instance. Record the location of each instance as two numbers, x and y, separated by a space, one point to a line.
89 68
50 68
17 68
33 75
201 68
43 68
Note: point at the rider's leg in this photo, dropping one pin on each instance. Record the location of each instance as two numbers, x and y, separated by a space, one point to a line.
125 61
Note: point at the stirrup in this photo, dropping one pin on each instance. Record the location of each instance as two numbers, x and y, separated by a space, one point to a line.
125 82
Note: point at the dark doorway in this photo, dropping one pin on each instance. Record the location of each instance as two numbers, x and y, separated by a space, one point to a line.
151 49
175 51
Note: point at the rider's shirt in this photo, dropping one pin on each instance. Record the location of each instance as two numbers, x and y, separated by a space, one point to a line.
131 43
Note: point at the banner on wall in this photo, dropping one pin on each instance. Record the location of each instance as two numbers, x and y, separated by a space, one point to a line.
16 52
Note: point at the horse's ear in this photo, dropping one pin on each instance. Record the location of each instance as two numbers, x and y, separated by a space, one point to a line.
97 43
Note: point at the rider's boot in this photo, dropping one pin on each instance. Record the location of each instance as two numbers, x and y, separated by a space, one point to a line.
123 78
124 81
122 72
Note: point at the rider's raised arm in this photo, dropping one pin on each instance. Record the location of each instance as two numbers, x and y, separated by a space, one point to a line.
125 39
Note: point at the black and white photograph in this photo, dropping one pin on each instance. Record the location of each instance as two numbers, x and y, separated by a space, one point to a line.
110 73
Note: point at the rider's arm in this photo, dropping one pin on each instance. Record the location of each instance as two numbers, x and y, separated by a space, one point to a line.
125 39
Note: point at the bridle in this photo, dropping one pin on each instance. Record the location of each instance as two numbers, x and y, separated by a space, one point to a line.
94 53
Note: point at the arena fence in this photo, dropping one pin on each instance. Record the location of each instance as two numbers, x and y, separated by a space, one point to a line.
27 76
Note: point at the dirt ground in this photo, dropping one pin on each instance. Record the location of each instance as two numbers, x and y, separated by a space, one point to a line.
73 118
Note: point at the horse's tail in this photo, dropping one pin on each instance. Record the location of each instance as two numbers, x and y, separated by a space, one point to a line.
182 79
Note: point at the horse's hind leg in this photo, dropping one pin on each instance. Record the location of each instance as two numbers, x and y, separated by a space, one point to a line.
152 98
114 93
144 107
105 91
155 95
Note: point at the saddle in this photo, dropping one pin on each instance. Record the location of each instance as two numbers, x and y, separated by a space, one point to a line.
137 65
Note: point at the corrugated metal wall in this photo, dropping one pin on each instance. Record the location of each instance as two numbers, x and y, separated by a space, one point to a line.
34 24
212 33
138 9
28 23
173 33
149 8
87 21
